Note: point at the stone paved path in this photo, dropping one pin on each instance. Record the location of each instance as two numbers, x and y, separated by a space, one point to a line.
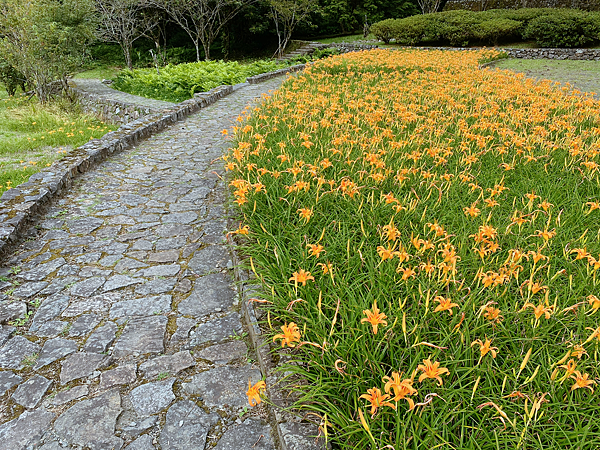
95 86
120 324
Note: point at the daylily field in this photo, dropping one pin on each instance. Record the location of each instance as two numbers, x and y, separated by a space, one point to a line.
427 234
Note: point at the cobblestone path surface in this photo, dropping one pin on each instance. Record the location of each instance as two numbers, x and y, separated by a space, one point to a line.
120 324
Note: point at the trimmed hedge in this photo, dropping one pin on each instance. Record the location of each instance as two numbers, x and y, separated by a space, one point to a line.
548 27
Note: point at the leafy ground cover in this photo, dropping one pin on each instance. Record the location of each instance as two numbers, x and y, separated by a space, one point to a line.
426 236
176 83
33 135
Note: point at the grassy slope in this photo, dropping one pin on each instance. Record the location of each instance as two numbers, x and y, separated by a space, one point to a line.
32 136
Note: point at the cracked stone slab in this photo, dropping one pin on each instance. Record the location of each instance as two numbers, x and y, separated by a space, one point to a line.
25 430
12 311
27 290
55 349
217 330
30 393
224 353
5 334
84 324
250 434
51 329
69 395
137 428
224 385
184 325
118 376
43 270
50 308
8 380
84 226
186 427
212 293
118 282
97 303
142 443
15 351
165 270
141 306
79 365
156 287
91 423
151 398
300 436
164 257
101 338
142 335
87 287
171 364
209 259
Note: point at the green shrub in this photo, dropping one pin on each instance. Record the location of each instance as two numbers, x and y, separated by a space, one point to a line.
176 83
563 28
495 30
549 27
384 30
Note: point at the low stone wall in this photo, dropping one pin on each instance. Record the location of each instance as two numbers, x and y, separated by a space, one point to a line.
584 54
346 47
589 54
276 73
18 206
111 110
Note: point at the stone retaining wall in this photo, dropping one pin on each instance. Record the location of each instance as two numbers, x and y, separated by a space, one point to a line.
586 54
589 54
111 110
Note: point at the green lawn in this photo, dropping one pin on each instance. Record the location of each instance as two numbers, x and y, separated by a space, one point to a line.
34 135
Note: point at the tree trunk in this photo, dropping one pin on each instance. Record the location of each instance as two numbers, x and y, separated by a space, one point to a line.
127 52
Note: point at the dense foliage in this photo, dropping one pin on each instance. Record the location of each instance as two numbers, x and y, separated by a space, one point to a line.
176 83
548 27
426 236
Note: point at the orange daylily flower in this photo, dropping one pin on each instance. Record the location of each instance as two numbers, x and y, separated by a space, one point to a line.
485 347
375 317
401 388
432 370
291 335
377 399
582 381
301 277
445 304
254 392
315 249
540 310
305 213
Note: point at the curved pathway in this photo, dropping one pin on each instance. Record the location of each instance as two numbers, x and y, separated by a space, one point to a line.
96 87
120 322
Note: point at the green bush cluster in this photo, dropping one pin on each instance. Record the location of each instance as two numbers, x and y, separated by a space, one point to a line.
548 27
176 83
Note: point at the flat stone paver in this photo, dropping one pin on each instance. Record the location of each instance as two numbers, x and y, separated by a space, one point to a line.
133 334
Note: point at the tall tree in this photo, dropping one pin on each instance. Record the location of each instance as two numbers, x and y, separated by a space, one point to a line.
202 20
123 22
286 15
45 40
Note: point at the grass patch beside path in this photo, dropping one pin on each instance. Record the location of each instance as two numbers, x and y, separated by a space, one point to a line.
428 236
33 135
584 75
